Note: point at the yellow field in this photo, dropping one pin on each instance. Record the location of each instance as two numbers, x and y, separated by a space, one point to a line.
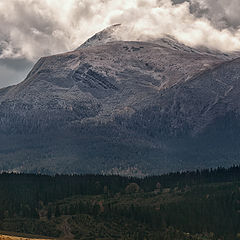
5 237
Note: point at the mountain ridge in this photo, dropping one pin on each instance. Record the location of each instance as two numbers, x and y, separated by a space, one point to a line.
122 106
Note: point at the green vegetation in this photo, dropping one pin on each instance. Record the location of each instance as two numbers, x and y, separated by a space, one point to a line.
201 205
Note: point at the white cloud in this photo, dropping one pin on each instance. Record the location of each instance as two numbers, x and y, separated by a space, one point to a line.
32 28
222 13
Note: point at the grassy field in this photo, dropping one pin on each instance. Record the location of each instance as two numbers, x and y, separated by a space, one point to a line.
20 236
7 237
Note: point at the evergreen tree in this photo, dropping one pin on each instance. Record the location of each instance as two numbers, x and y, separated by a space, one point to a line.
57 211
49 213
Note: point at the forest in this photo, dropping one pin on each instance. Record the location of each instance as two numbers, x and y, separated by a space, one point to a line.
193 205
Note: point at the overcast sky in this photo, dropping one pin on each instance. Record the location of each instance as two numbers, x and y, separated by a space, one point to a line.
33 28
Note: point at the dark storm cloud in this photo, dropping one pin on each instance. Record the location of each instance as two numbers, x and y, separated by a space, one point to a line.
10 75
179 1
19 64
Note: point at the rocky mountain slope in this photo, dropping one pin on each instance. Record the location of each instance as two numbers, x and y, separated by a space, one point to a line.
123 107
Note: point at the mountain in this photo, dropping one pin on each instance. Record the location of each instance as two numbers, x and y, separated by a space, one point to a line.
125 107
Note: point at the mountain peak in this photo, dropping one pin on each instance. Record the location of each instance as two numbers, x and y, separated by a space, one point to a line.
102 37
119 32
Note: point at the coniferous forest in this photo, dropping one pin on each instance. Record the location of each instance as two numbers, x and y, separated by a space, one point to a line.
178 206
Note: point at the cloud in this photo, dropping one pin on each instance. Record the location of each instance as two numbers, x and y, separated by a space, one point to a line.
33 28
221 13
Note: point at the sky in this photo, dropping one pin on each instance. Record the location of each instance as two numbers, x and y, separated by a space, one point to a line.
33 28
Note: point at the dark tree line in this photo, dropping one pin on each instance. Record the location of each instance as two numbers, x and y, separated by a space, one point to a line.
204 209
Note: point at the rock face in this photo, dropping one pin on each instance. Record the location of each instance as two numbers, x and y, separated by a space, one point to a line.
122 107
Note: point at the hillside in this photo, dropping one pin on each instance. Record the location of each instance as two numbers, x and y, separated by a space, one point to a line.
182 206
130 108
